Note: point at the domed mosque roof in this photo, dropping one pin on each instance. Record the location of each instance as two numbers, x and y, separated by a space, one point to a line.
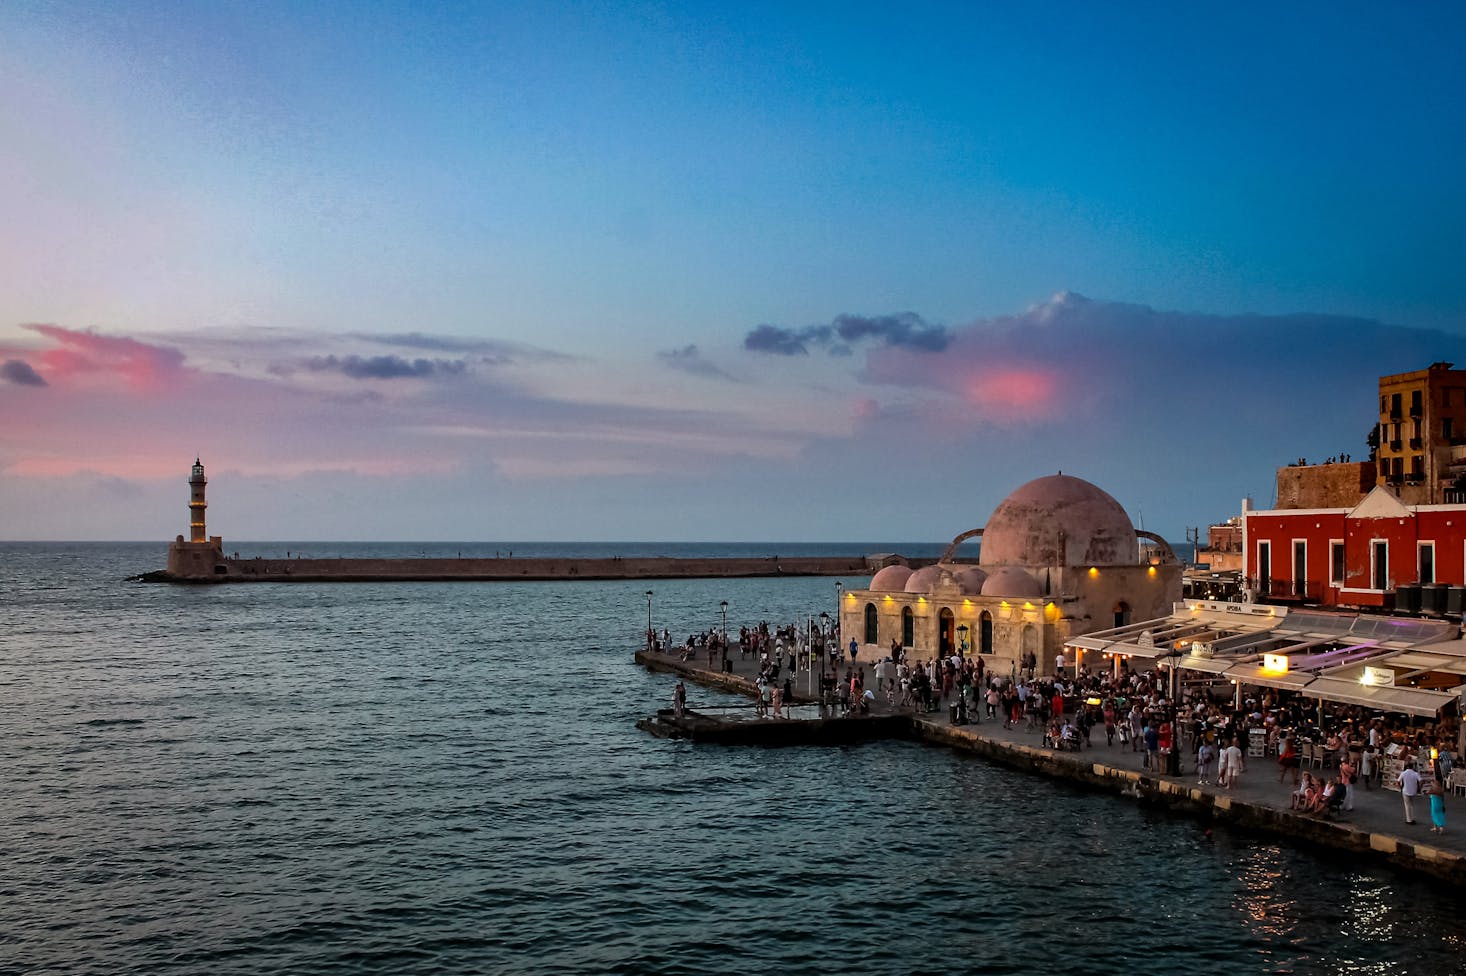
1058 521
924 579
891 579
1010 581
971 579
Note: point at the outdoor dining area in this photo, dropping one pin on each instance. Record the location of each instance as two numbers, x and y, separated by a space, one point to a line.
1327 678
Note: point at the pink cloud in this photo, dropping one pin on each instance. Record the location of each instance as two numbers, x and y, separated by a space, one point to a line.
85 356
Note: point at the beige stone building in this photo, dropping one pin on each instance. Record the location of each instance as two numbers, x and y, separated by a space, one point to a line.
1422 435
1059 558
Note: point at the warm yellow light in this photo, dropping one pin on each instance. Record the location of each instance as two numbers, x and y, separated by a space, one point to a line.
1150 572
1275 663
1027 605
1093 572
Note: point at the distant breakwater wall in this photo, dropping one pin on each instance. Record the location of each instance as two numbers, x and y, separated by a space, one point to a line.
228 570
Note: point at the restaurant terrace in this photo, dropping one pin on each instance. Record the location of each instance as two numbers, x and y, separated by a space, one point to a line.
1394 664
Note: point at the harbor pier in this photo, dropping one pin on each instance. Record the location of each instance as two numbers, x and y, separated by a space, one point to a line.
1374 831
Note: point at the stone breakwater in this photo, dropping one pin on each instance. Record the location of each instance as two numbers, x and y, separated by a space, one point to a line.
229 570
1260 808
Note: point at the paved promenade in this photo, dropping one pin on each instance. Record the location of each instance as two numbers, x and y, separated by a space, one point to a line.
1376 824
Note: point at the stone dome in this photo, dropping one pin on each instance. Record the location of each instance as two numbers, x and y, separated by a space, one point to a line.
1058 521
891 579
970 579
924 579
1010 581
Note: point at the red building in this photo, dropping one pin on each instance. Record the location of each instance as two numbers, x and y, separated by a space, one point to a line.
1380 553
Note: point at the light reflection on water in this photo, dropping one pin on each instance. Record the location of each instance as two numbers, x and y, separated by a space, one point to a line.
447 778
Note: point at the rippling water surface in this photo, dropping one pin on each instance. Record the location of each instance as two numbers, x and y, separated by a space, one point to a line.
447 778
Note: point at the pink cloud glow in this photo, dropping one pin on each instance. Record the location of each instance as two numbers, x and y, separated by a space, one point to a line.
85 355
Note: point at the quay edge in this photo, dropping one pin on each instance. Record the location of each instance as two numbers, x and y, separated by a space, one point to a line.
1177 795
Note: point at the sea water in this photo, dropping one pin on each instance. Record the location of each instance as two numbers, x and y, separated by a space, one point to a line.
447 778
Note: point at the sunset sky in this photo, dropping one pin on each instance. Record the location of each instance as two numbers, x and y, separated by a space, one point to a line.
708 271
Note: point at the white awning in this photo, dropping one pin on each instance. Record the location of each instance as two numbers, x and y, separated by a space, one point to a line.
1253 674
1411 701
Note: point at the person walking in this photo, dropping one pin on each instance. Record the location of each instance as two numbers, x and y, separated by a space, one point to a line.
1409 790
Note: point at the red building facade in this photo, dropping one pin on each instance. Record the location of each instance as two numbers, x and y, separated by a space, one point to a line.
1380 553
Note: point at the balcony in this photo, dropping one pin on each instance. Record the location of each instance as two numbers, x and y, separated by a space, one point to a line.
1394 413
1415 443
1394 479
1396 444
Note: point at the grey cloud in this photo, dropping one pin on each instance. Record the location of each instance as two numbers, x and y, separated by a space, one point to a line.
493 351
776 341
19 372
905 329
385 367
689 360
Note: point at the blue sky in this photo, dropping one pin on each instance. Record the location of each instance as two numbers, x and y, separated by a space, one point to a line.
424 253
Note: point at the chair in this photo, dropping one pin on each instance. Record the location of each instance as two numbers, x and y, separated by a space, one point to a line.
1313 756
1457 782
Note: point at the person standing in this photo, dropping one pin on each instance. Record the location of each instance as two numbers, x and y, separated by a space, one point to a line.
1348 772
1203 762
679 700
1409 790
1232 759
1438 808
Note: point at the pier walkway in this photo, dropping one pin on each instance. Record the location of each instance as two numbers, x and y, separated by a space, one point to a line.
1375 829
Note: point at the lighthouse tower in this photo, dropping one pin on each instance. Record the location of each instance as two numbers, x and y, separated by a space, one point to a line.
202 556
196 504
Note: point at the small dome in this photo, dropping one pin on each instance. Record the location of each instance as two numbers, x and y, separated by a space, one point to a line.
891 579
924 579
1011 581
1059 521
971 580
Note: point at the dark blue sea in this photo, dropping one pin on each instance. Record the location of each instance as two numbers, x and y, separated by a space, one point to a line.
447 778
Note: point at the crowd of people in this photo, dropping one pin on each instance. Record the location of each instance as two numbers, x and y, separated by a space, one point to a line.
1328 750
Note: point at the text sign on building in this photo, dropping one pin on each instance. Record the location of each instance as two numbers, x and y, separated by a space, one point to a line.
1382 677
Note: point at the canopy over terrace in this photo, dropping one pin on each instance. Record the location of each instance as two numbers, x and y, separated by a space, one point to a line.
1417 667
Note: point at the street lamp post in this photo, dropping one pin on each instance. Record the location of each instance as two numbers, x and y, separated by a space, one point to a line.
724 606
962 641
650 640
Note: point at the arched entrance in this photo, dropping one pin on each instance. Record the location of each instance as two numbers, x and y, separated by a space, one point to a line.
1122 613
908 627
946 633
871 635
985 633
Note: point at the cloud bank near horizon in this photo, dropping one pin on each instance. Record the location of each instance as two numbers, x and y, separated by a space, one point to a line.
1167 410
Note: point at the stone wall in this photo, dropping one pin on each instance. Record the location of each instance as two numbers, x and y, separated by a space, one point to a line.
1340 485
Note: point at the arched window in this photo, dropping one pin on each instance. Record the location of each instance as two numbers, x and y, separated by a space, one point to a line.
1122 613
946 632
871 635
908 627
985 633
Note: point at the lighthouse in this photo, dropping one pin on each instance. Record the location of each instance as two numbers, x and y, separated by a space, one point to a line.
202 556
196 503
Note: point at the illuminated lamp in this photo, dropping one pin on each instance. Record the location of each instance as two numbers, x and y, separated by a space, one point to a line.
1092 701
1275 663
1150 572
1093 572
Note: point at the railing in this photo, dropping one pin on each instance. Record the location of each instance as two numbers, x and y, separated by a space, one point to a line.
1308 591
1415 443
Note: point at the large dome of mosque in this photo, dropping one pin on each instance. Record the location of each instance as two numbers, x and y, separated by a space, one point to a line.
1058 520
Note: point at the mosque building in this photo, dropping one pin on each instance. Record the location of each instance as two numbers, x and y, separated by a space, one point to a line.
1059 558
